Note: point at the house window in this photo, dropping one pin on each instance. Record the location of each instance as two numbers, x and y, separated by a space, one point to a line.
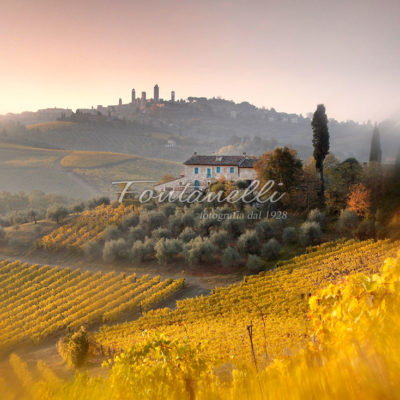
218 170
208 172
232 170
196 183
196 170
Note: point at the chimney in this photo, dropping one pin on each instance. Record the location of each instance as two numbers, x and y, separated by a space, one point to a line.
245 155
195 153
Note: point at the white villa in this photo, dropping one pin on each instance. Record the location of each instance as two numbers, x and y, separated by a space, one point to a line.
201 171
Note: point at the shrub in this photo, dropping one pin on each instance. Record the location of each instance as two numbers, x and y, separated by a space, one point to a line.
264 230
271 249
152 220
161 233
92 250
196 209
249 243
220 238
206 224
141 250
199 251
129 221
254 263
289 235
57 213
188 219
175 225
230 257
278 224
93 203
79 207
187 235
136 234
114 250
317 216
347 222
365 230
111 232
74 348
150 206
241 184
168 209
167 249
234 226
310 233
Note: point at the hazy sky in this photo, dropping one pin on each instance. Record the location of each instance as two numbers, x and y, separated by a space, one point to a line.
285 54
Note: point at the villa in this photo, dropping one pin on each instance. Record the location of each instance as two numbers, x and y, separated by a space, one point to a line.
200 171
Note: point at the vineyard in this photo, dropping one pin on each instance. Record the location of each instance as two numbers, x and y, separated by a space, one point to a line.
37 301
351 351
87 227
274 303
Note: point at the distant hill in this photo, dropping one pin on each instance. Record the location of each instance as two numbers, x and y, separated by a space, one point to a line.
79 174
174 130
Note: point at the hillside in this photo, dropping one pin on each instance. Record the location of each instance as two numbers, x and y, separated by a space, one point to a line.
78 174
348 343
274 302
39 301
198 124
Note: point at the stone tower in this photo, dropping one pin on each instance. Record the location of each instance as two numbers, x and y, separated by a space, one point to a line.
156 94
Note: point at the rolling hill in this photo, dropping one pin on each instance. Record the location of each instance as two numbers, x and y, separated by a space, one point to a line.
77 174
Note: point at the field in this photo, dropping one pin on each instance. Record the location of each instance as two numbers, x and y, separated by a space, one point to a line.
48 126
348 346
92 159
39 301
81 174
88 227
275 303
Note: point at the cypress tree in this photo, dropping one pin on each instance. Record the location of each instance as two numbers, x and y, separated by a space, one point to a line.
320 142
397 165
375 154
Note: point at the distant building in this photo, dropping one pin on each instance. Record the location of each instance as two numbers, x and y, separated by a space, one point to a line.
143 97
170 144
133 98
173 96
120 101
52 114
156 94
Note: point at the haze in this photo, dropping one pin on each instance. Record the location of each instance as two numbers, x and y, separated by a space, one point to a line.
289 55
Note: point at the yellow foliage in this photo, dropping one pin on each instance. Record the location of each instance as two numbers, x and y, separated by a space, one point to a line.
276 301
88 226
353 354
36 301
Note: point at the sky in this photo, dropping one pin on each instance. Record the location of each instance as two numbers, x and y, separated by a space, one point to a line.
290 55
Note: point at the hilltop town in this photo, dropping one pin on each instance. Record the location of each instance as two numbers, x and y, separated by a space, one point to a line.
196 123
